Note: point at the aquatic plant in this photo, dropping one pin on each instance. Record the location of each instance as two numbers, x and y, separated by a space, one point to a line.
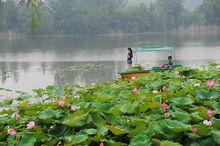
171 108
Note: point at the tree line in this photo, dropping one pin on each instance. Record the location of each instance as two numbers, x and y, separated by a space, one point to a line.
103 16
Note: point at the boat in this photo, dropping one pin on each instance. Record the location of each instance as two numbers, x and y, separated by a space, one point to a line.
137 70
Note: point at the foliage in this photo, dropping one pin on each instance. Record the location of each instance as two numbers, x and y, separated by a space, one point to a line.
100 17
209 8
184 111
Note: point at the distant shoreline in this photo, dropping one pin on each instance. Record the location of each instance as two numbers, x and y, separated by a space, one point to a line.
180 30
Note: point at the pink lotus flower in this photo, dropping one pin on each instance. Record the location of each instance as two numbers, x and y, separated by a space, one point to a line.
133 78
11 131
135 90
210 112
61 103
194 130
164 88
207 123
30 125
164 106
167 115
102 144
210 83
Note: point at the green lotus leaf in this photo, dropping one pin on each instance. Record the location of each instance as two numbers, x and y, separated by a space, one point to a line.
102 130
182 101
208 75
128 107
27 140
102 98
175 126
75 118
7 120
101 106
207 142
114 143
84 105
203 93
49 113
194 144
148 105
39 92
182 116
202 111
3 144
169 143
216 123
142 139
79 138
6 102
216 136
196 117
24 96
55 91
11 141
91 131
111 118
137 130
24 103
40 134
60 131
203 130
215 105
97 119
116 130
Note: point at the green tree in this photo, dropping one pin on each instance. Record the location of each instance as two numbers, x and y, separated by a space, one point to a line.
169 13
1 14
211 11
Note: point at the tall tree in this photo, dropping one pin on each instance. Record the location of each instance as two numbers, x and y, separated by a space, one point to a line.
169 13
1 14
211 10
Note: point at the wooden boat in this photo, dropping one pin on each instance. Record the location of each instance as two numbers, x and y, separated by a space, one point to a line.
137 71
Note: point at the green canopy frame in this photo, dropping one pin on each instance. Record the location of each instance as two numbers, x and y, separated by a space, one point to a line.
156 48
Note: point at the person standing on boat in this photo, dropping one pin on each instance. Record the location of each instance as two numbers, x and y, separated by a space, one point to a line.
129 57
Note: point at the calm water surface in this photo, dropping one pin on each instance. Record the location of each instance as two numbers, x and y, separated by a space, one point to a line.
33 62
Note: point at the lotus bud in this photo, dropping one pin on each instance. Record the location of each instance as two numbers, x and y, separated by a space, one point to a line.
11 131
61 103
164 106
210 83
207 123
30 125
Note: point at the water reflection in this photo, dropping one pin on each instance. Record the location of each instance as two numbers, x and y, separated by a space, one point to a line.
25 76
70 48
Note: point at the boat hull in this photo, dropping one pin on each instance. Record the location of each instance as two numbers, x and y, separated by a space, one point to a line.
130 75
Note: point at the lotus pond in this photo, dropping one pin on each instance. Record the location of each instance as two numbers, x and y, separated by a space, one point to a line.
172 108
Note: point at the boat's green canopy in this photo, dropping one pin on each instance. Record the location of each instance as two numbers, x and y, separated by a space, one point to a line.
154 48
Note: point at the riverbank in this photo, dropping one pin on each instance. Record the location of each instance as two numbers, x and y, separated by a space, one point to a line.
179 107
192 29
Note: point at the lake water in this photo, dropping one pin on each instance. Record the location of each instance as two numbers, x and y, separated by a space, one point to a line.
34 62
